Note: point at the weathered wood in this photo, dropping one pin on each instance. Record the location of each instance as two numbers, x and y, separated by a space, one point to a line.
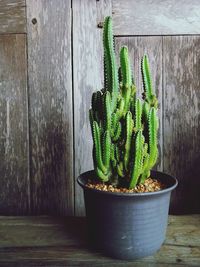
87 73
14 147
181 70
42 231
169 17
51 119
32 231
12 16
46 241
152 46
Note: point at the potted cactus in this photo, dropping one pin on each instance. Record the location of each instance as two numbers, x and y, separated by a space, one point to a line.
126 202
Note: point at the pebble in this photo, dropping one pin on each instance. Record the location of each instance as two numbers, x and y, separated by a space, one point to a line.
150 185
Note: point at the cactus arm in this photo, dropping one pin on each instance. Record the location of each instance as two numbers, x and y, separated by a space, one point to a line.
146 173
106 71
133 99
111 71
146 78
96 105
107 66
126 77
117 154
149 94
101 175
97 145
133 90
120 74
120 109
145 169
106 149
129 131
153 130
145 111
137 159
107 110
138 114
117 132
115 124
125 67
112 156
96 99
120 170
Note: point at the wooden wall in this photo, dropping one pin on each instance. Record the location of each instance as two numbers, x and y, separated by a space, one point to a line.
51 62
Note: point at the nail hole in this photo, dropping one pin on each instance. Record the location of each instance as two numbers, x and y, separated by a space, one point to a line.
34 21
100 25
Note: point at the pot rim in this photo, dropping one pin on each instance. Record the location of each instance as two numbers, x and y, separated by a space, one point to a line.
166 190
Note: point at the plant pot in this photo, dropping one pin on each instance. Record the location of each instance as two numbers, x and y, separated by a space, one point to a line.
127 225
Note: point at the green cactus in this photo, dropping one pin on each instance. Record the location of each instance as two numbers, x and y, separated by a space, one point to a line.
124 128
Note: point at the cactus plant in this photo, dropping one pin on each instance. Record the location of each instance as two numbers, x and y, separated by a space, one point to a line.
124 128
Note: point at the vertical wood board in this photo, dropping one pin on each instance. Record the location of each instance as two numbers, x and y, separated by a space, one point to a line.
152 46
14 147
12 16
87 78
181 68
51 115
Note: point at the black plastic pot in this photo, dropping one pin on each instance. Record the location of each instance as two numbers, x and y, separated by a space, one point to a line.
127 225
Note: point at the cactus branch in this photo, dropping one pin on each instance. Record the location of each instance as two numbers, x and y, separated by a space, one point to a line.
147 78
129 132
125 67
138 114
110 66
137 165
97 144
153 128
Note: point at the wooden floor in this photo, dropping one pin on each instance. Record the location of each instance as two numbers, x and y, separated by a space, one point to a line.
47 241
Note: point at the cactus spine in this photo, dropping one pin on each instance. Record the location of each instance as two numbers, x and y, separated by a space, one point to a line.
124 128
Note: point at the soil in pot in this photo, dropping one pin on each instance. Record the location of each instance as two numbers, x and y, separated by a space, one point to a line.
150 185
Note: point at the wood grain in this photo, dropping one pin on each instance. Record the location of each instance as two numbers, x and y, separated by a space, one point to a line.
14 145
88 77
181 68
47 241
12 16
169 17
152 46
51 114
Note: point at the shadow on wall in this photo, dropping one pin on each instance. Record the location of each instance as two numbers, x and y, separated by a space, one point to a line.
186 198
49 166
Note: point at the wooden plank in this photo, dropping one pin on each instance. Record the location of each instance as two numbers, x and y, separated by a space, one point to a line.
51 114
63 243
181 70
170 17
42 231
184 230
12 16
76 256
152 46
71 231
14 145
87 72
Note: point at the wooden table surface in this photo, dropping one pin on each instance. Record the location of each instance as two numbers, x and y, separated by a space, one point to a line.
49 241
